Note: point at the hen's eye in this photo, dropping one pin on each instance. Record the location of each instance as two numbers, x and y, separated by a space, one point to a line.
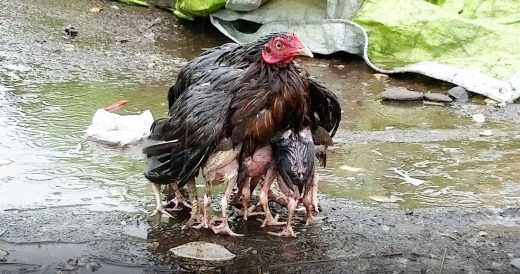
278 45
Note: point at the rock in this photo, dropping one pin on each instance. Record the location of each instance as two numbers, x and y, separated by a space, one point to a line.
123 222
482 233
114 7
437 97
202 255
486 133
479 118
459 94
70 32
515 262
340 67
402 94
93 266
3 255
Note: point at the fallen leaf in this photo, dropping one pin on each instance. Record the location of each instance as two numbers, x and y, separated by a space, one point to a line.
384 199
351 168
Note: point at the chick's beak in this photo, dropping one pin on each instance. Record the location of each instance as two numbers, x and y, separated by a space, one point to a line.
304 51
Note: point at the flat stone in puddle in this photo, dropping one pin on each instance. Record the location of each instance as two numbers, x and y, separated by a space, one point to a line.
402 94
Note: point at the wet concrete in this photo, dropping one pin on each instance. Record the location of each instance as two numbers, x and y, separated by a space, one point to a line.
62 208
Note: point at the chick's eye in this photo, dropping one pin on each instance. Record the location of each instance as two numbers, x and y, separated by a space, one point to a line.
278 45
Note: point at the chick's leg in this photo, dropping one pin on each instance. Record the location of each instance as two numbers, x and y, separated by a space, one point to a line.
288 231
159 208
307 201
231 181
315 192
264 201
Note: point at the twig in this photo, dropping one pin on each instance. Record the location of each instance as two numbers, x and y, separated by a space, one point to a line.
443 257
489 218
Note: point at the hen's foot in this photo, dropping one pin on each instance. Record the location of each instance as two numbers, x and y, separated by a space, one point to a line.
179 204
160 210
194 219
206 223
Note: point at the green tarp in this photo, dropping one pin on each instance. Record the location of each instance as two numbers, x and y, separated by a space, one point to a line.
471 43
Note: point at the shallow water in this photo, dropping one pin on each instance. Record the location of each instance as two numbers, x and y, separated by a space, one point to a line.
46 106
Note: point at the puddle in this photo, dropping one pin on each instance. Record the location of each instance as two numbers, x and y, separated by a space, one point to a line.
44 113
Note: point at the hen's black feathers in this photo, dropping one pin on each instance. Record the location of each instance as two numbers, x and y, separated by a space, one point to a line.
230 93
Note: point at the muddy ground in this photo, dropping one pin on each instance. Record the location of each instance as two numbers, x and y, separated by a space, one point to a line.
133 45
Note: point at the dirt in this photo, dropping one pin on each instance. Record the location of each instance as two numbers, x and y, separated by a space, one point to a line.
133 45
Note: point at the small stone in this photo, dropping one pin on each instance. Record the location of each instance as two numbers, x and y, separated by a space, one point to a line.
490 102
3 255
254 252
152 65
486 133
340 67
409 212
380 75
515 262
458 93
402 94
123 222
114 7
389 128
479 118
70 31
437 97
95 9
482 233
93 266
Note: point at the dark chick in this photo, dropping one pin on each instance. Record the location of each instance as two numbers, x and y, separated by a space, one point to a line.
294 154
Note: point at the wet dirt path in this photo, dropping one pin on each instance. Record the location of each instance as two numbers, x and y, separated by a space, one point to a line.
89 206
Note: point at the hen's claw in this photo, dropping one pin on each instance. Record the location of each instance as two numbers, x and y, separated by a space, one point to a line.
161 210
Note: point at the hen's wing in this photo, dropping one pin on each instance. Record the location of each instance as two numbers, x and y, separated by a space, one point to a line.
195 69
197 122
325 106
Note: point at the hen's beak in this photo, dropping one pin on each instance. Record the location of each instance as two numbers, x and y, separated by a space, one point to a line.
305 51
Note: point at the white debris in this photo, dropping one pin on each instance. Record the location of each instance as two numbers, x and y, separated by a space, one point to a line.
408 179
5 162
479 118
20 68
119 129
486 133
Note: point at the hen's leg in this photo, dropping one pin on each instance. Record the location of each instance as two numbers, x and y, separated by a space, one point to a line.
223 228
195 215
179 200
288 231
159 208
207 203
264 201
